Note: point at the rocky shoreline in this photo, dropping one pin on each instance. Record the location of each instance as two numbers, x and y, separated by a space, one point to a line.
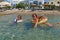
8 12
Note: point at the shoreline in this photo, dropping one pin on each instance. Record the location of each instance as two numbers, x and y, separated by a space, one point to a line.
53 12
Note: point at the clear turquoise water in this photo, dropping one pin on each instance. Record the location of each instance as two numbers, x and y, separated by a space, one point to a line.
25 30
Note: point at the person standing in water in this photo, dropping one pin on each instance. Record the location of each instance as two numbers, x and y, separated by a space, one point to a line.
39 20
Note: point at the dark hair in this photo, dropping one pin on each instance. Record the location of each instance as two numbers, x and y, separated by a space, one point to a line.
34 15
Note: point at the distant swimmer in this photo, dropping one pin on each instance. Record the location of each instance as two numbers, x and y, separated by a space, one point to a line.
39 20
18 19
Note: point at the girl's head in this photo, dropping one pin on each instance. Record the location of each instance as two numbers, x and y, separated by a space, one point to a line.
34 15
19 16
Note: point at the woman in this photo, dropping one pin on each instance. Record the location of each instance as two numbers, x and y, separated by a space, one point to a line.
39 20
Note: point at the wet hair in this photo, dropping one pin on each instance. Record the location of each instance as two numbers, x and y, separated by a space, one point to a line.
34 15
19 16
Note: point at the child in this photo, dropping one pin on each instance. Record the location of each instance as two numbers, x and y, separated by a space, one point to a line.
18 19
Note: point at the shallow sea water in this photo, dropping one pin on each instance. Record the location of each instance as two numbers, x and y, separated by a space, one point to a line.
25 30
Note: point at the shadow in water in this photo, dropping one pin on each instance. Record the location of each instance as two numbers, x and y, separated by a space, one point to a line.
28 25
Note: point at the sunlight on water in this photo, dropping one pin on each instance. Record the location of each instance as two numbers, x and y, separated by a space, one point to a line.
25 30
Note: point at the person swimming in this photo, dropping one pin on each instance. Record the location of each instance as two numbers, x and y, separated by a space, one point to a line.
18 19
39 20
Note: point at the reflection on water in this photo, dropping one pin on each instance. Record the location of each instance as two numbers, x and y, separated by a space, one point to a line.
25 30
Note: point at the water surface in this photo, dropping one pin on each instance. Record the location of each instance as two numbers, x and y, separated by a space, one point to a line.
25 30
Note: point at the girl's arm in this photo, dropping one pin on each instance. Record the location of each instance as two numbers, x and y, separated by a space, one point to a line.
36 23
